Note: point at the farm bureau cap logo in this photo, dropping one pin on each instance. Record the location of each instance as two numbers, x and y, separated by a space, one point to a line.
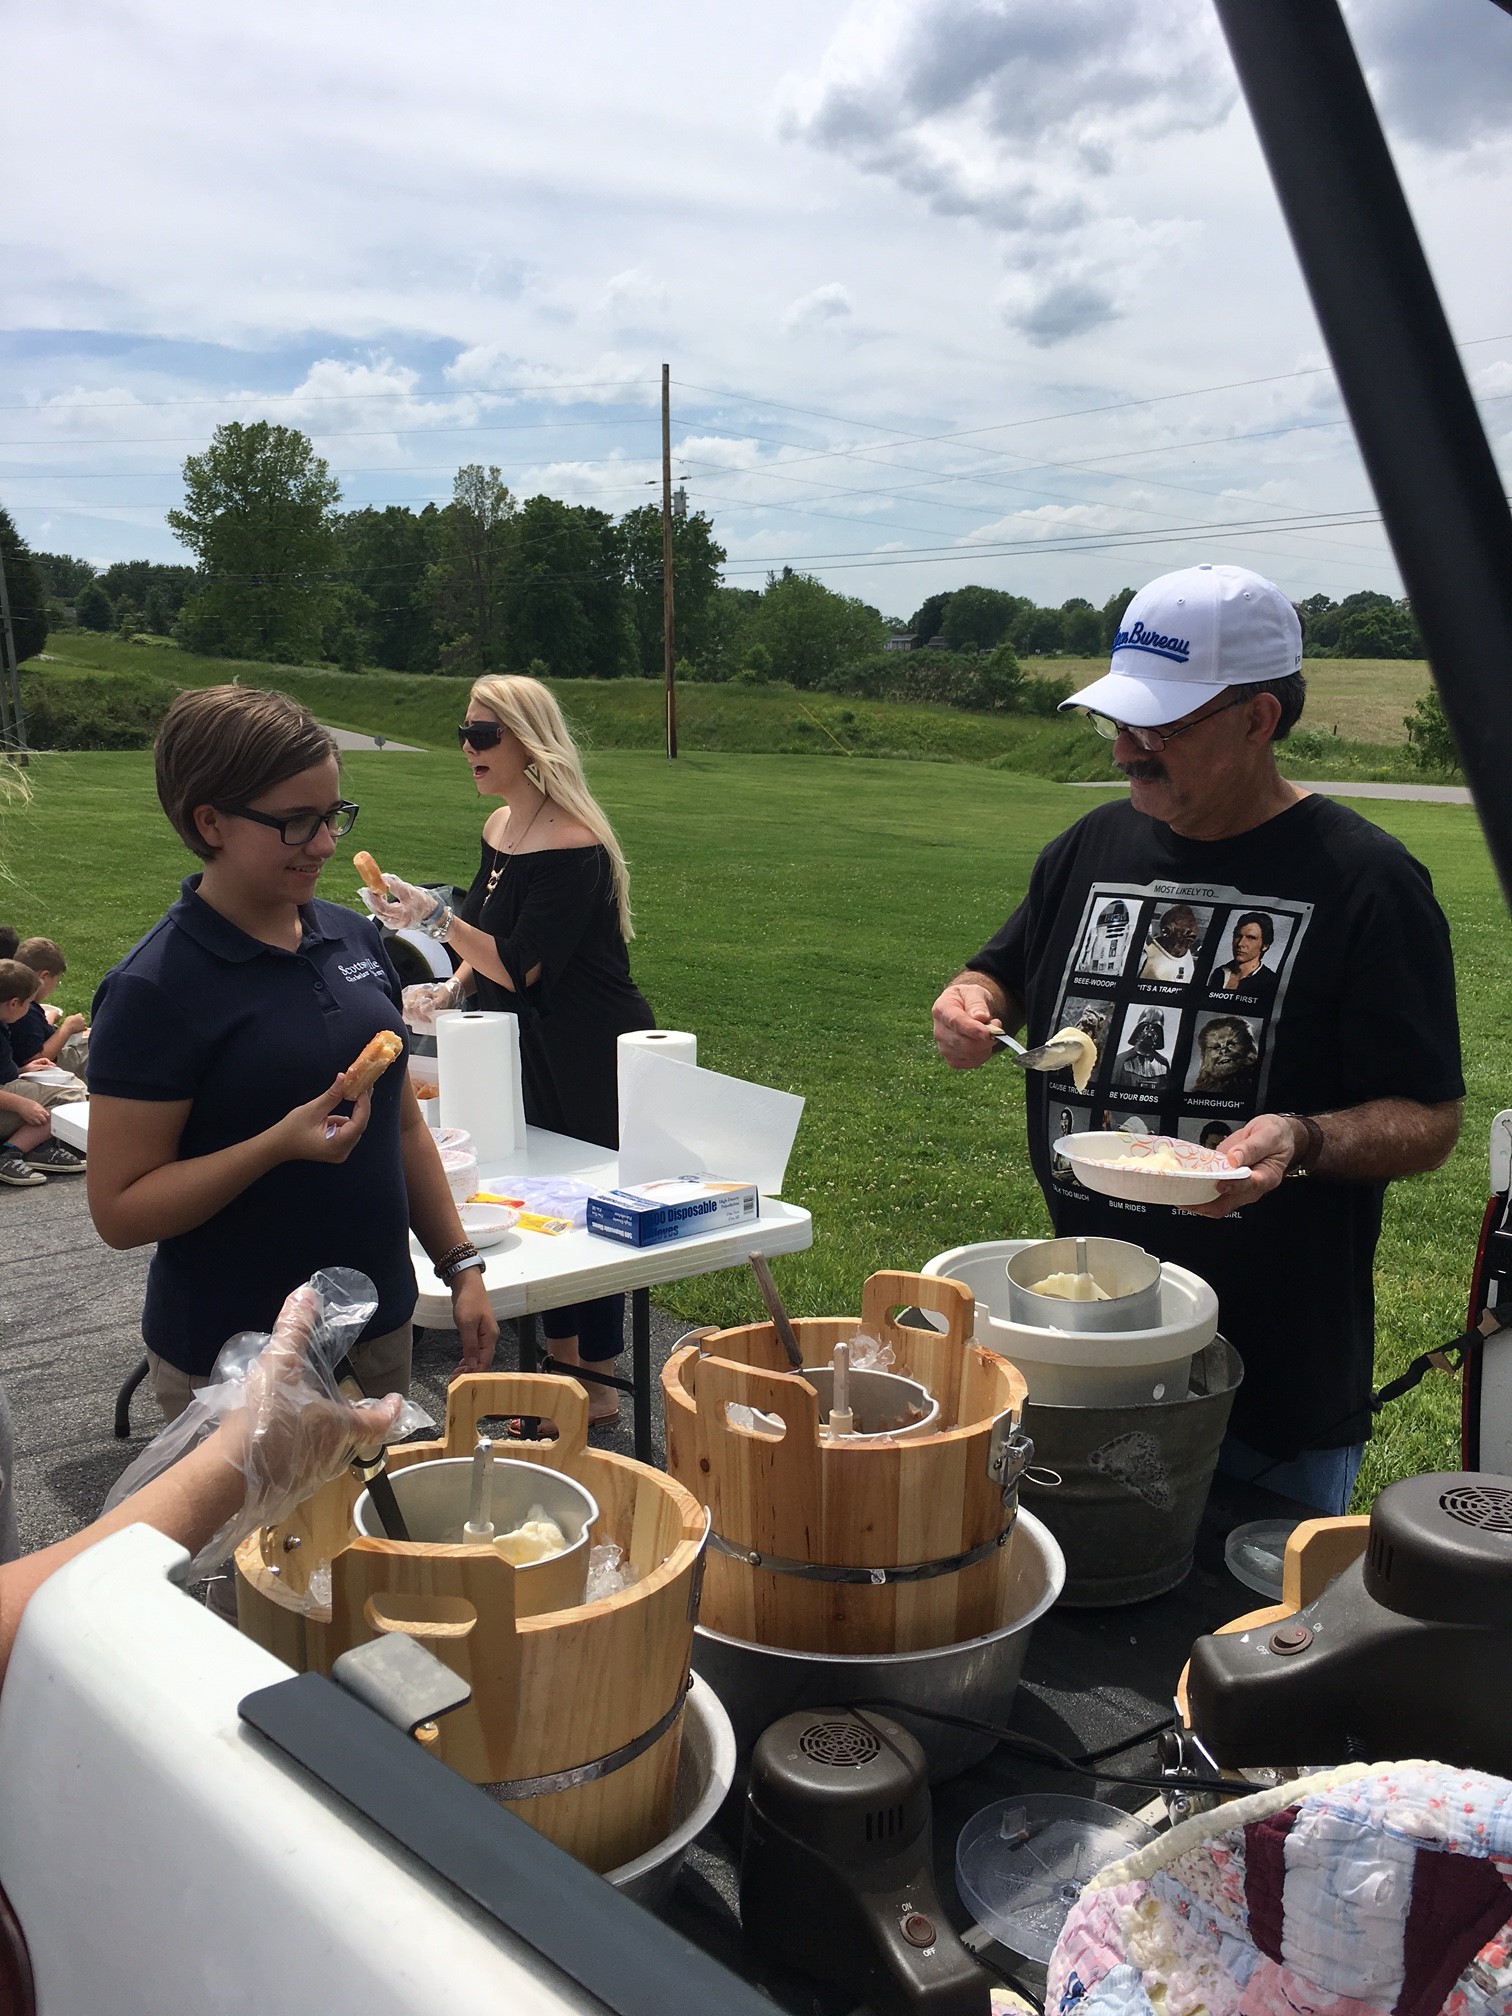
1178 649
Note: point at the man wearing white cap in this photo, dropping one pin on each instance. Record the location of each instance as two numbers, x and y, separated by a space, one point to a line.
1350 1041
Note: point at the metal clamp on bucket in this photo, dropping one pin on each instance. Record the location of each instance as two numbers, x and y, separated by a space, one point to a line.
1009 1453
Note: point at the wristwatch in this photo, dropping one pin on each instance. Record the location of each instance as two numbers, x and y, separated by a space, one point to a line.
1302 1165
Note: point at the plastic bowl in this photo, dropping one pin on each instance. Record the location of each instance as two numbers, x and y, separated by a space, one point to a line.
1109 1164
486 1224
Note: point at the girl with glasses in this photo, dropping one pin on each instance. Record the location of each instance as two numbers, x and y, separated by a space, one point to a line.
543 934
218 1126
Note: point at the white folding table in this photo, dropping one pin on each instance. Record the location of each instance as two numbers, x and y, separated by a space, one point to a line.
531 1271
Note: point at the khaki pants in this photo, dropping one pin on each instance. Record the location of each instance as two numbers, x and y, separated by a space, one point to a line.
46 1095
382 1365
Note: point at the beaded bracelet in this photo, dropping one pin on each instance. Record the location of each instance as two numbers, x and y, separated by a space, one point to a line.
463 1250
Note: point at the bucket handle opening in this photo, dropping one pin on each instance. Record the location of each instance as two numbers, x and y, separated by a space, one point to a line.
752 1422
1042 1475
417 1616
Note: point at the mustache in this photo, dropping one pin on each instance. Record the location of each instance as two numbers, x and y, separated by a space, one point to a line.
1144 770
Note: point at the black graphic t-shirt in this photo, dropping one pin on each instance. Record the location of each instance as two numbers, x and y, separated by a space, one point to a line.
1301 967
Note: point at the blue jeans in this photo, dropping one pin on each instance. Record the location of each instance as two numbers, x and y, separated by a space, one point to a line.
1324 1478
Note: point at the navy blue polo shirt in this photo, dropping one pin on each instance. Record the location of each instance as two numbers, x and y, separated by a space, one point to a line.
29 1034
244 1031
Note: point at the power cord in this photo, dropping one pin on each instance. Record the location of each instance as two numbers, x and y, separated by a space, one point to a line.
1033 1751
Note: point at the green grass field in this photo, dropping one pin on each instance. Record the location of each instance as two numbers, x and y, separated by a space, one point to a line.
1362 700
800 915
627 713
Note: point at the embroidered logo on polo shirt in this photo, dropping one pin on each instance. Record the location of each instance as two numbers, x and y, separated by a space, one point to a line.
361 969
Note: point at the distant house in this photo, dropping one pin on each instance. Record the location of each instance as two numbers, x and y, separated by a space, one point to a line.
939 643
906 642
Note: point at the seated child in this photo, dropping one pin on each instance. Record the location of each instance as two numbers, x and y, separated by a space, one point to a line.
28 1152
43 1037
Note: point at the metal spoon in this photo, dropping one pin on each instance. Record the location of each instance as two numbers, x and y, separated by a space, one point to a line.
1043 1056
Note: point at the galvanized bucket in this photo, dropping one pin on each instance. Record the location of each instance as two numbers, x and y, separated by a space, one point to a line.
1132 1482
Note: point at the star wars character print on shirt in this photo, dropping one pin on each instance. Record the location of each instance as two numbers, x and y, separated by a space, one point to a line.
1182 990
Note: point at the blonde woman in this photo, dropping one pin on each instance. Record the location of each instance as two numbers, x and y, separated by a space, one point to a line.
542 934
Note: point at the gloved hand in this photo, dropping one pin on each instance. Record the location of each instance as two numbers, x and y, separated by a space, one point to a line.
294 1432
421 1005
405 907
278 1419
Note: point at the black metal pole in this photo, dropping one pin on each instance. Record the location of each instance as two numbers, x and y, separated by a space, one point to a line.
1401 379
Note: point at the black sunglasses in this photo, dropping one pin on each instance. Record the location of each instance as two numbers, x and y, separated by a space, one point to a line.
300 828
480 734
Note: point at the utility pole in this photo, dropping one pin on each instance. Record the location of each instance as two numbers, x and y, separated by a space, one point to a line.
12 720
669 606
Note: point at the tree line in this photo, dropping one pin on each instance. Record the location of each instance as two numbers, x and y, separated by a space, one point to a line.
488 582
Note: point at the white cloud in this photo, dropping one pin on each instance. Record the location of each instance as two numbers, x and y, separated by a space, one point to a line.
475 235
826 308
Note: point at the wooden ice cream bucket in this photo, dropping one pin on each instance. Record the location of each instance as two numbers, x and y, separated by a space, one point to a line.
597 1685
906 1543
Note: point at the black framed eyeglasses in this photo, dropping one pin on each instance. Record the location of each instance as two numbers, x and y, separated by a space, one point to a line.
300 828
1153 740
480 734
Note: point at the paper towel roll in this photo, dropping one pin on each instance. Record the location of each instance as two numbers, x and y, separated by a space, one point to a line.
668 1042
481 1086
659 1043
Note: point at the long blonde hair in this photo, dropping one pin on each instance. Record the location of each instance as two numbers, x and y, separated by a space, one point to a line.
527 709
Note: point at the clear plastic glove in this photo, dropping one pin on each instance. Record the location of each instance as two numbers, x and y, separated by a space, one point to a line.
283 1423
405 908
421 1005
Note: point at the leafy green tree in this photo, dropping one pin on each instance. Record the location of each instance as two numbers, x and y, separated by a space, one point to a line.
928 617
63 577
697 558
730 614
386 557
1378 629
133 582
474 547
810 631
258 514
1081 628
978 618
157 616
28 600
94 608
564 601
1113 615
1320 625
1428 733
1036 632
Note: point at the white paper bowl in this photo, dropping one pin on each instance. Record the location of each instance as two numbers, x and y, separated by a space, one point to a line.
486 1224
1091 1157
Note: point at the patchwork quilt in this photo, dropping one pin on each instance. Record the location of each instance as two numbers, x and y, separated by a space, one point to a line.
1371 1890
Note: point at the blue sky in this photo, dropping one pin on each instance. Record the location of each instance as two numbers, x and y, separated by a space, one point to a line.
951 290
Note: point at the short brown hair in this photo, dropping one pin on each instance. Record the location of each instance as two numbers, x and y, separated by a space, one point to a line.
10 938
17 982
225 746
42 955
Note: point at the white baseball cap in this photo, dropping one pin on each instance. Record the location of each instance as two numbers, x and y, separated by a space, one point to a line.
1187 636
